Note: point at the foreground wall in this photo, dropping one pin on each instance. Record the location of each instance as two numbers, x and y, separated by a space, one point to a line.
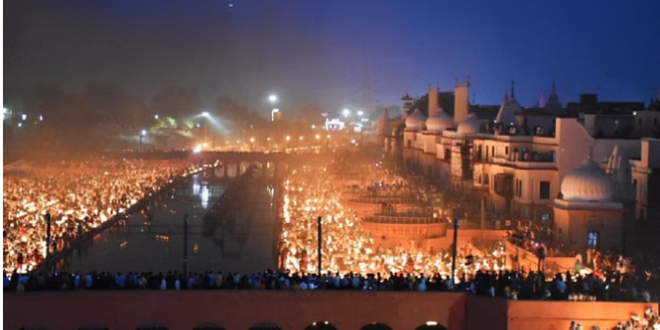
346 310
234 310
557 315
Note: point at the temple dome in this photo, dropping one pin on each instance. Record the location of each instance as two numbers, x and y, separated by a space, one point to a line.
471 125
587 183
415 121
439 121
508 110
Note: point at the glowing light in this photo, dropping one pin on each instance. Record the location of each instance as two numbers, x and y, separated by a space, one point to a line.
156 116
272 98
288 138
317 136
41 118
252 140
205 114
301 138
144 132
360 113
24 116
346 113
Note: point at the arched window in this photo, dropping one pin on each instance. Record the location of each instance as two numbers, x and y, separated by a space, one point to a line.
208 326
323 325
265 326
376 326
431 326
94 327
151 326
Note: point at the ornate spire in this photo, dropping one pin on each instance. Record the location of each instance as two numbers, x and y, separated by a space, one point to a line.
506 96
512 89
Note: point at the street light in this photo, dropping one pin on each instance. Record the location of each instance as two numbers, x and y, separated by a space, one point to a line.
318 136
206 126
301 138
156 116
360 113
272 98
143 133
288 138
346 113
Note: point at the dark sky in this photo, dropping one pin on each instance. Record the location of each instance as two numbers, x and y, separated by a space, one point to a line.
331 53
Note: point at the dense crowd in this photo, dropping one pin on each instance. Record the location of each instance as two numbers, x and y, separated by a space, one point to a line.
504 284
346 246
78 196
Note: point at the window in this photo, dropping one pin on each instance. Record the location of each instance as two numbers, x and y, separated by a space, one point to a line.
506 151
544 190
409 142
592 239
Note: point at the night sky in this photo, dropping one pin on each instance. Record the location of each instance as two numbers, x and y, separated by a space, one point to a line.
332 53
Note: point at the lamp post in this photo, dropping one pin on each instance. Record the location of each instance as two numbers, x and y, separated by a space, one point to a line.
47 218
185 245
453 255
206 127
320 252
143 133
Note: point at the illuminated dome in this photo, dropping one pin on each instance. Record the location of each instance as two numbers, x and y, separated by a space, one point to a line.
384 127
587 183
470 125
439 121
508 110
415 121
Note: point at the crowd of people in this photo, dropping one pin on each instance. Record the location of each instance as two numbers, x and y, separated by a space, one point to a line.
346 245
78 196
503 284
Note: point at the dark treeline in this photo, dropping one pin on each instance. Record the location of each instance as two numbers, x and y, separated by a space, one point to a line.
106 115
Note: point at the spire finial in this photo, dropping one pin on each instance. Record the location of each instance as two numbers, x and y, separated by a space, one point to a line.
512 89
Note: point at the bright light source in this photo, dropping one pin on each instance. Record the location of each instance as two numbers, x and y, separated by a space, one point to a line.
268 139
346 112
20 124
41 118
288 138
360 113
144 132
318 136
431 323
353 141
313 126
328 136
156 116
301 138
198 125
272 98
24 116
252 140
205 144
205 114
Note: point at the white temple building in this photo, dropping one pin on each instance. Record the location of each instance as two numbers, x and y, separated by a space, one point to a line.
535 157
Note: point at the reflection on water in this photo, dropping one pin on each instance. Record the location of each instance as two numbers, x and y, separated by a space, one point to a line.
153 240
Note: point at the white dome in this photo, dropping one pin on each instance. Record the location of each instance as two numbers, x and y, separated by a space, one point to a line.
439 121
508 110
415 121
471 125
587 183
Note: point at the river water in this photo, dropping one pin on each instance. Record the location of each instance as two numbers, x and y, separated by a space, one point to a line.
155 243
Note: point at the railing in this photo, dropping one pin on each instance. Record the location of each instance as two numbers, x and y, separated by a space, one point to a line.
387 200
403 220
